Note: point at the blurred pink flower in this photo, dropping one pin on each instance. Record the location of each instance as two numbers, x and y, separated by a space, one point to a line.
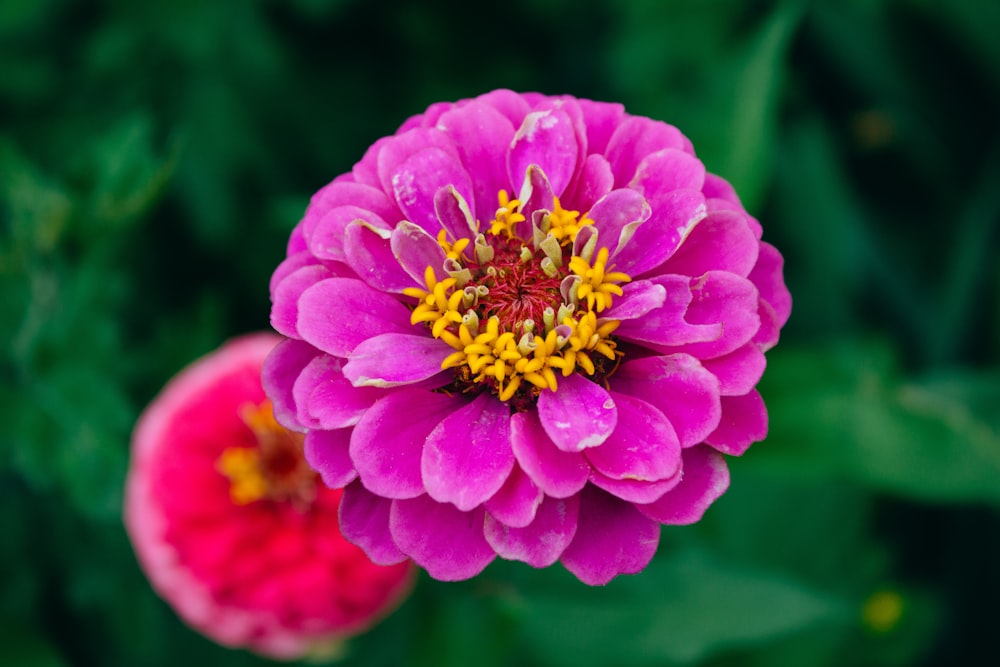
230 524
524 326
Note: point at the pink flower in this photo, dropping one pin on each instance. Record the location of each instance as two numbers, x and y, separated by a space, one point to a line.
524 326
232 527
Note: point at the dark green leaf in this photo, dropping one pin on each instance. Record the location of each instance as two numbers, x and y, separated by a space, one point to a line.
685 606
23 646
842 410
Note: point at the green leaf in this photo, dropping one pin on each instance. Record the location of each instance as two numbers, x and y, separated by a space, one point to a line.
69 432
753 92
22 589
684 607
841 410
742 525
128 175
820 219
22 646
38 209
689 65
461 624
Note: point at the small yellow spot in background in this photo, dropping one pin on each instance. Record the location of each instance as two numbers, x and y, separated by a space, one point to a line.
324 651
882 611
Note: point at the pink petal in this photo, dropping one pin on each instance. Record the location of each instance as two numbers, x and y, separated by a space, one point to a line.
706 477
296 242
372 201
767 275
428 118
744 422
326 453
717 187
726 300
468 456
594 181
364 521
341 193
578 415
326 237
292 263
326 399
535 194
482 136
337 314
285 297
546 139
443 540
568 105
715 205
769 332
643 446
673 217
638 298
612 538
388 441
616 216
634 139
395 359
512 105
669 169
281 367
739 371
366 170
559 474
416 181
541 542
723 241
415 250
632 490
680 387
602 119
666 326
516 501
397 150
370 256
454 214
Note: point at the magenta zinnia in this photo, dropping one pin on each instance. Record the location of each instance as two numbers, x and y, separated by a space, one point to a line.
234 529
524 326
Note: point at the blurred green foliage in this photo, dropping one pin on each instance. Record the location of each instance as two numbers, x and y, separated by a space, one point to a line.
154 156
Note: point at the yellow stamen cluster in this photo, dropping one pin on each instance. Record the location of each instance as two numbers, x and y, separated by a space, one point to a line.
526 356
564 225
260 419
452 250
587 335
492 354
437 307
507 216
597 284
246 481
534 359
251 470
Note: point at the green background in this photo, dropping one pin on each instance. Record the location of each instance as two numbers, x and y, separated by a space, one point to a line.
155 155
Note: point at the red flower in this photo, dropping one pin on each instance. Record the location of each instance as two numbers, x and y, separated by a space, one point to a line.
233 528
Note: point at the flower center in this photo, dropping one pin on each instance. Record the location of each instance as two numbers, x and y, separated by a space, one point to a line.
520 313
515 290
275 469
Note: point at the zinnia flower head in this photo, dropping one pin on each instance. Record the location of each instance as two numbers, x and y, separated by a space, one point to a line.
233 528
524 326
